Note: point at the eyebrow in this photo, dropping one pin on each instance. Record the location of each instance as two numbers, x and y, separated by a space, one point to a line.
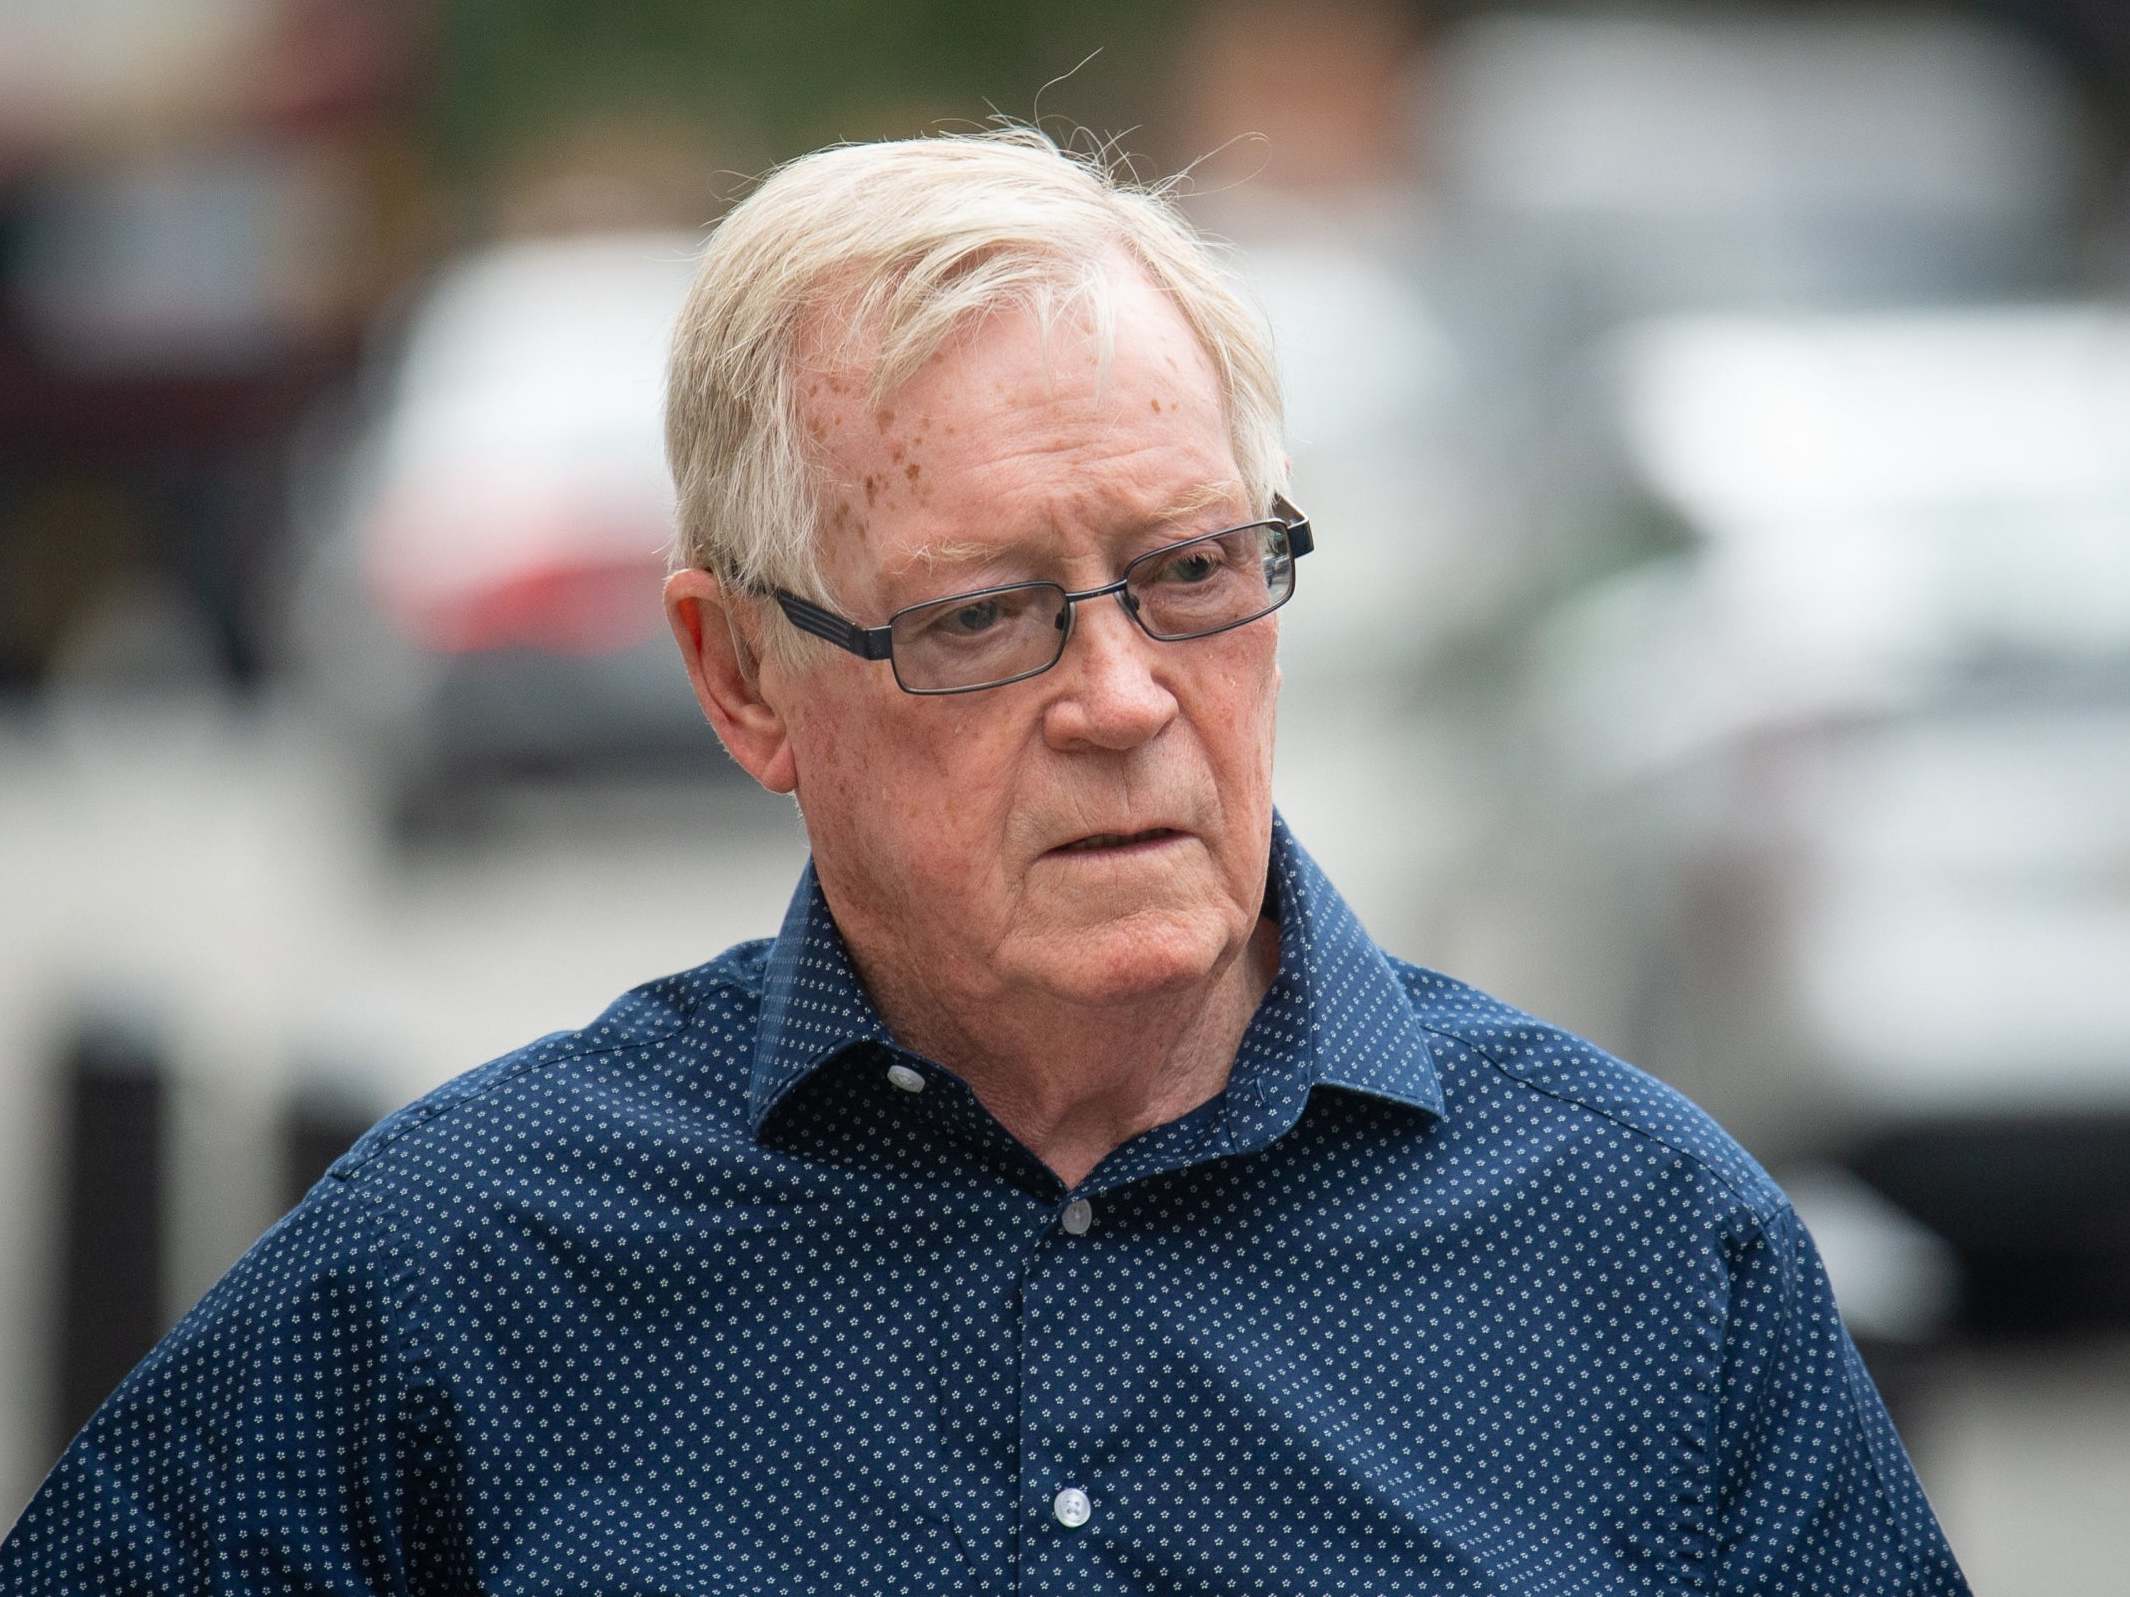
1026 551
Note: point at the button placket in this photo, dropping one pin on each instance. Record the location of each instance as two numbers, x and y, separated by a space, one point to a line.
1059 1495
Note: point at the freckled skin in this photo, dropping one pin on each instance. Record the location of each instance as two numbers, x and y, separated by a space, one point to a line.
1083 998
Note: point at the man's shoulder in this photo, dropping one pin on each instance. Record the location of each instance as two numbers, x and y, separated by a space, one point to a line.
672 1056
1474 1034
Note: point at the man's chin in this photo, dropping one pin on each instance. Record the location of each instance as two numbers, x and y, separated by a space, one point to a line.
1120 961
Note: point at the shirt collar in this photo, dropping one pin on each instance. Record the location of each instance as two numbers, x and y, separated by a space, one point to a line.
1337 1015
813 1005
1346 1015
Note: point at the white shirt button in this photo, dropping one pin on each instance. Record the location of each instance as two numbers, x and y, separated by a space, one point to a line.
907 1079
1072 1507
1079 1215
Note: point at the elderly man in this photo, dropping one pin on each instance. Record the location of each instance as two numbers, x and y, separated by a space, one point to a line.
1070 1198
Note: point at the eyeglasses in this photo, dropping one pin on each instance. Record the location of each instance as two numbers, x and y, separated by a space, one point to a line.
986 639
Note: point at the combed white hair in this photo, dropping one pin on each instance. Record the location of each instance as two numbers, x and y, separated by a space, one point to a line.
886 249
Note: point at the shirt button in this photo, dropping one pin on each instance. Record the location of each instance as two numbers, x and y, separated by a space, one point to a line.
1072 1507
907 1079
1079 1215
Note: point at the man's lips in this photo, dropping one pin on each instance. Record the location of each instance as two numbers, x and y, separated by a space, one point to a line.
1121 842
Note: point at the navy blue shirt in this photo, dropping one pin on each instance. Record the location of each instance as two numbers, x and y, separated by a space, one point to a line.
726 1293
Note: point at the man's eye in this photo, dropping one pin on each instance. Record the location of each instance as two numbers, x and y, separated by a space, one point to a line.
986 620
968 620
1192 566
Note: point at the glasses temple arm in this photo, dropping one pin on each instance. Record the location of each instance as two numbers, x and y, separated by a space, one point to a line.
1300 540
868 643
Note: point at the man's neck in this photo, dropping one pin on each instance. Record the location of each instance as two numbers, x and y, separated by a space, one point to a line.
1072 1082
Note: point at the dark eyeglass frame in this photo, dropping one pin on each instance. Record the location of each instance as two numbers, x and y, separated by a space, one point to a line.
878 643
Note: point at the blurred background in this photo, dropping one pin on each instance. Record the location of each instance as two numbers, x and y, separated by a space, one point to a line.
1717 425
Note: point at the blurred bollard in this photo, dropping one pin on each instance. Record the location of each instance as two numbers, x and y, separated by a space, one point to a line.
2037 1206
116 1096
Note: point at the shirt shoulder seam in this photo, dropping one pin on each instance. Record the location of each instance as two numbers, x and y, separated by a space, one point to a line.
402 1326
1763 1213
405 1250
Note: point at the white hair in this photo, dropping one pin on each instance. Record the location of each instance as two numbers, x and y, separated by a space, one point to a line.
897 245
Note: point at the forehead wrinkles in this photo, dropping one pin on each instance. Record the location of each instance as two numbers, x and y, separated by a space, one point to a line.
885 330
1223 493
876 345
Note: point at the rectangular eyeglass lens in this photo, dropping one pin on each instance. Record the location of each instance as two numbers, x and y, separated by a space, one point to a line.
959 643
1214 582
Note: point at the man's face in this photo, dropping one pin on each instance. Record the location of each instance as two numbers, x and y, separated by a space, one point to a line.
942 827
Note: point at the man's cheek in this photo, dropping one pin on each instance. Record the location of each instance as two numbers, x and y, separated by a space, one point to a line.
977 792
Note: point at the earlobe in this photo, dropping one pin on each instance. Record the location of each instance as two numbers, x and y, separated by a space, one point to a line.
727 680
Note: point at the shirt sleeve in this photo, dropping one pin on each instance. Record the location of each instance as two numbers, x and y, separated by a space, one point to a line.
1814 1491
259 1447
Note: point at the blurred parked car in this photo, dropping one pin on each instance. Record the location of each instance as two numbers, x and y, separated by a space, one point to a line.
1845 782
486 535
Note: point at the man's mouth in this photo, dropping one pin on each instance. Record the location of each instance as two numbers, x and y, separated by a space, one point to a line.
1109 841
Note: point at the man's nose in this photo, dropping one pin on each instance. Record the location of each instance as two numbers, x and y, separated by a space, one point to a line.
1109 692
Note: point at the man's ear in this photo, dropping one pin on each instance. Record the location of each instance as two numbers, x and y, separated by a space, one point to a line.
727 679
